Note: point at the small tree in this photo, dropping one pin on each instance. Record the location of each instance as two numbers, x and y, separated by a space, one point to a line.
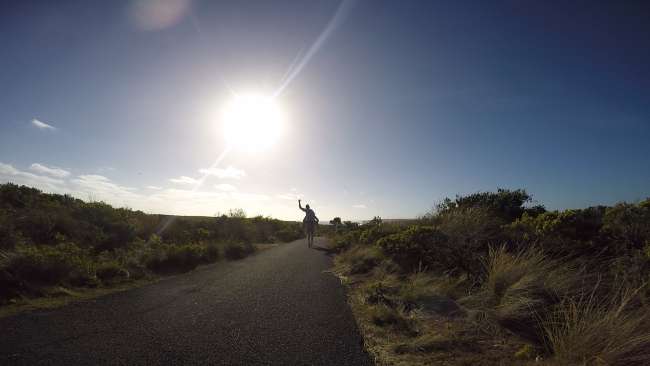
237 213
350 224
336 222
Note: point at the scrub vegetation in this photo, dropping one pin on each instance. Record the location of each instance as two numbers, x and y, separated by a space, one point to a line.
489 278
51 241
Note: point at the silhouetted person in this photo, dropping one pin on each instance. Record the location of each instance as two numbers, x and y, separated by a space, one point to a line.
309 223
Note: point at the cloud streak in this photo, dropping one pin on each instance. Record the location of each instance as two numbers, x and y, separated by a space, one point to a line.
185 180
42 125
289 196
225 187
183 200
52 171
10 174
227 173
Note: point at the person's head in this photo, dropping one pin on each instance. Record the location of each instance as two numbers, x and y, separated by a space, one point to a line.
307 206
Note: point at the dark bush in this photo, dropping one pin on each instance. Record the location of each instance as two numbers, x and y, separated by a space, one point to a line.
628 225
37 230
173 258
372 233
239 250
211 253
38 226
415 247
9 237
569 233
63 263
289 234
10 286
506 204
111 271
344 240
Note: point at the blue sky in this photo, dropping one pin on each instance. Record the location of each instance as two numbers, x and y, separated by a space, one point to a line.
401 105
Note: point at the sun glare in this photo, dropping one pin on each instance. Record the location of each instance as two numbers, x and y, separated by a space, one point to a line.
253 122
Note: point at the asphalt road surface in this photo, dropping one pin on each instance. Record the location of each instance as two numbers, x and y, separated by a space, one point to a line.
278 307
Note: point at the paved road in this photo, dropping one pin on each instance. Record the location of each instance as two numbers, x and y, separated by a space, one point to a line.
277 307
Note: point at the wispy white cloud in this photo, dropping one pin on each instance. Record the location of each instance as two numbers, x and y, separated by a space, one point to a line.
154 199
289 196
98 187
225 187
52 171
10 174
359 205
184 180
227 173
42 125
249 196
186 196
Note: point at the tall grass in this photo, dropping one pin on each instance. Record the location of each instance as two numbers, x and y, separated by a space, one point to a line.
520 286
588 330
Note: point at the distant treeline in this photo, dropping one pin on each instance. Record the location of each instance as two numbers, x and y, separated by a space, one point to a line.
52 239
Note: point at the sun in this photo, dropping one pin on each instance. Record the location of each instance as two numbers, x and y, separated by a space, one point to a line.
252 122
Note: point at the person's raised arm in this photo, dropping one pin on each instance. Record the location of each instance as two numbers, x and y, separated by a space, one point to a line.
300 207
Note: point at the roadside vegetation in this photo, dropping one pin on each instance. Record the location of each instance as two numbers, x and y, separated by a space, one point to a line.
52 243
489 279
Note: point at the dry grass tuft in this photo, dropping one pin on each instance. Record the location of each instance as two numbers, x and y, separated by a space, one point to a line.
519 287
589 331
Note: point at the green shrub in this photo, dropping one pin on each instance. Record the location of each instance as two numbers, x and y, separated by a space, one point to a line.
9 236
504 203
415 247
10 285
371 234
361 259
570 233
240 250
289 234
135 268
211 253
111 271
175 258
342 241
63 263
470 233
628 225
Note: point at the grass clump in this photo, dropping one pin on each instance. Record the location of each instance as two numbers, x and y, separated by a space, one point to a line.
361 259
520 286
587 330
398 319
